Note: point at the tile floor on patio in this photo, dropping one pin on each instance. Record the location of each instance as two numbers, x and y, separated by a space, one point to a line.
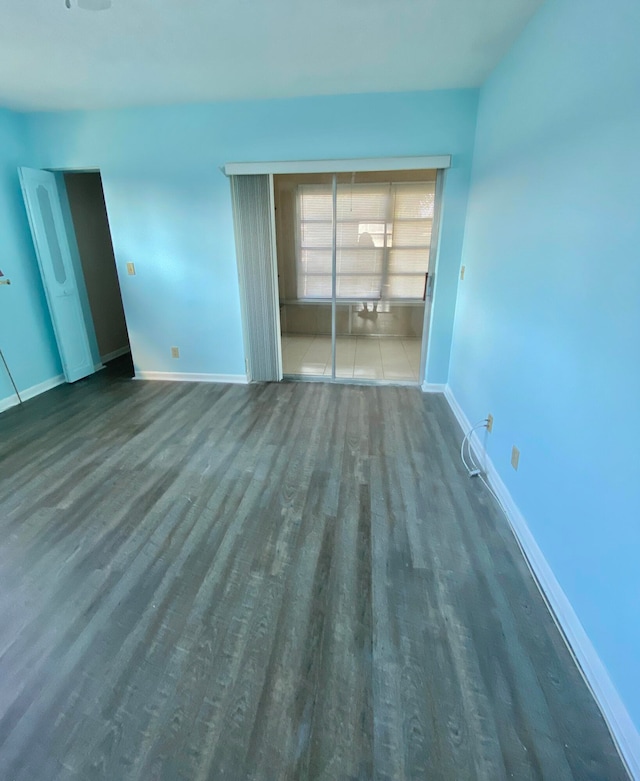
357 357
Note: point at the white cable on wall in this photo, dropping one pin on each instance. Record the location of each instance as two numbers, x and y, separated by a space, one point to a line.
474 469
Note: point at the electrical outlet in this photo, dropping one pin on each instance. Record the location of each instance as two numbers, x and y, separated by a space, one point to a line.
131 269
175 352
462 270
489 423
515 457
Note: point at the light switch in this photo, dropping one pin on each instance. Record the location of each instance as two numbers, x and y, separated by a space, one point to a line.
131 269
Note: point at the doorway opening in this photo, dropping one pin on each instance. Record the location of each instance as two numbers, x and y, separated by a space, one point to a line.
354 257
95 248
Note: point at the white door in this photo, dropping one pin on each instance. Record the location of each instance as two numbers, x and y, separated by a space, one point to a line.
54 258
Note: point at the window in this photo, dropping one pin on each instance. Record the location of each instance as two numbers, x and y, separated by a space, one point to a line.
383 240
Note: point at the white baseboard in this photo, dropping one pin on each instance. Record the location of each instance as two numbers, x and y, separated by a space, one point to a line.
622 728
9 401
30 393
235 379
115 354
433 387
36 390
457 410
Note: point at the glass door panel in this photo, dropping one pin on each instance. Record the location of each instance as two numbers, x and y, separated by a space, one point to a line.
304 223
368 309
383 232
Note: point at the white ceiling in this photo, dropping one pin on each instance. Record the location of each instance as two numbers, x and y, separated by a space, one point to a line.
178 51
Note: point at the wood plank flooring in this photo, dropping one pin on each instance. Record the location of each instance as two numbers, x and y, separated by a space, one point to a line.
290 581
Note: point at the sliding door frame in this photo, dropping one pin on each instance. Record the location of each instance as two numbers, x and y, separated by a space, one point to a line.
438 163
334 272
434 253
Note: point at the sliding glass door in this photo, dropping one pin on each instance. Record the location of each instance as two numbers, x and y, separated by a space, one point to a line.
354 253
304 230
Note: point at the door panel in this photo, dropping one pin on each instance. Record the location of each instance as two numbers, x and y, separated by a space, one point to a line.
41 198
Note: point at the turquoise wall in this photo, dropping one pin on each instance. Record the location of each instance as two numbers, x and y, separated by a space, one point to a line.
548 318
170 210
26 336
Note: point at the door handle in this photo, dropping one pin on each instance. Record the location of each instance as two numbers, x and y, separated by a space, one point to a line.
429 286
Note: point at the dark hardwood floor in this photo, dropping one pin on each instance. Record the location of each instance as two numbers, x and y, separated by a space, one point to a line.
291 581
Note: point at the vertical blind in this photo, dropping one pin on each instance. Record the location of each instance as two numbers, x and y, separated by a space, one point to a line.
250 196
383 240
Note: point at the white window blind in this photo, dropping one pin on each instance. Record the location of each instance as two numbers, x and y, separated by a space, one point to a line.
383 240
